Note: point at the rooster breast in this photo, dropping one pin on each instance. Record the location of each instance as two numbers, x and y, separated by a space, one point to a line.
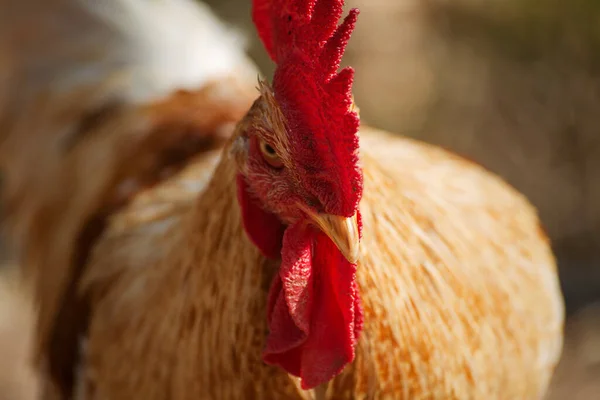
458 282
458 285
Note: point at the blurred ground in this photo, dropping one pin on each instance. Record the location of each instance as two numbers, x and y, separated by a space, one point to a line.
578 374
17 380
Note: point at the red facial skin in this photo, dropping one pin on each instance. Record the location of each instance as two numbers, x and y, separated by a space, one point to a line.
313 311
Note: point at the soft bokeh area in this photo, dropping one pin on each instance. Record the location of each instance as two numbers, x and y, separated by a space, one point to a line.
513 85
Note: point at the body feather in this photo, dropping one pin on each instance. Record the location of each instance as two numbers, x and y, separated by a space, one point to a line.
458 284
94 106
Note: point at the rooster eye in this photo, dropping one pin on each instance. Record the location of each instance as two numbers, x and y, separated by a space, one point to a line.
270 155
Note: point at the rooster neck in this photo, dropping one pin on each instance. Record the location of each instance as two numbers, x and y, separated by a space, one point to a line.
202 286
227 282
229 270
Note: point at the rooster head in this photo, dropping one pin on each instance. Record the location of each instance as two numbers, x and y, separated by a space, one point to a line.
299 186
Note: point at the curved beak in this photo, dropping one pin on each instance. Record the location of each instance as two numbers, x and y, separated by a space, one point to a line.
342 231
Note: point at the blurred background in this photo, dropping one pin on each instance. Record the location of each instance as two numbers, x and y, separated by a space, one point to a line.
513 85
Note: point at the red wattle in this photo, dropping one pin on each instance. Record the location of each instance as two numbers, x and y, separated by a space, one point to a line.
263 228
313 310
314 313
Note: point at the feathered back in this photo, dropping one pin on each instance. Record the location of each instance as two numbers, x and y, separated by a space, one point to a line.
99 99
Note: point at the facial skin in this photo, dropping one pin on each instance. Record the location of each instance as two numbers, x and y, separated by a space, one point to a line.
266 162
300 184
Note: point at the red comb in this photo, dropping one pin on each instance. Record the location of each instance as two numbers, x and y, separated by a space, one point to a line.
304 39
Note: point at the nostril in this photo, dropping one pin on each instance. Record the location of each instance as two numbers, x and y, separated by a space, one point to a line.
313 203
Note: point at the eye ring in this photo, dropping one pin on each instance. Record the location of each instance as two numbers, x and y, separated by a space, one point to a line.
270 155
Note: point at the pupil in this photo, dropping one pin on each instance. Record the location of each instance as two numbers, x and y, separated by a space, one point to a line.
269 149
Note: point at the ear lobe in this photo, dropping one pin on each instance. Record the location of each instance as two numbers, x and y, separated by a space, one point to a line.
239 150
263 228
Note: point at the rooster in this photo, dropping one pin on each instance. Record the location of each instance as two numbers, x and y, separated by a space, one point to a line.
215 243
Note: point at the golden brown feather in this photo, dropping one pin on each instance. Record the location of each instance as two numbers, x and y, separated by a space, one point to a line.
458 283
90 114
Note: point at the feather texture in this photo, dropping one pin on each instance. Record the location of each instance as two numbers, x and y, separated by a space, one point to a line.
459 288
99 100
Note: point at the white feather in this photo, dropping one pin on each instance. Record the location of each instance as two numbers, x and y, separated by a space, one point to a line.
147 48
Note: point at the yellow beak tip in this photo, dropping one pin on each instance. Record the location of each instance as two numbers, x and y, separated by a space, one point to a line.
342 231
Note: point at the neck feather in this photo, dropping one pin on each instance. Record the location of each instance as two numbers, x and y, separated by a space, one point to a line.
228 282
